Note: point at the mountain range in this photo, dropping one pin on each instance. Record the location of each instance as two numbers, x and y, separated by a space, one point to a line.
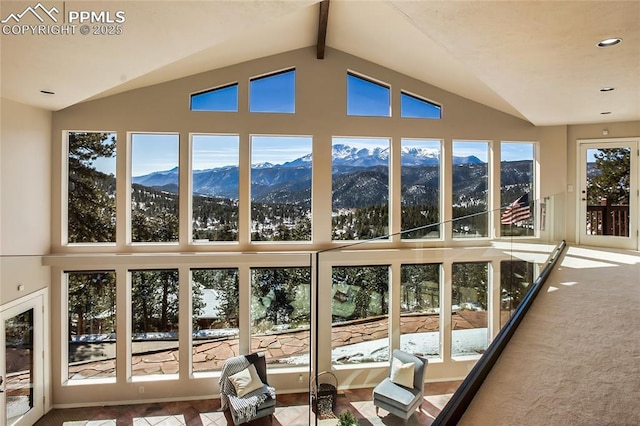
270 181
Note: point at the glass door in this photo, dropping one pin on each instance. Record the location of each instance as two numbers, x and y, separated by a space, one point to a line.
21 363
608 194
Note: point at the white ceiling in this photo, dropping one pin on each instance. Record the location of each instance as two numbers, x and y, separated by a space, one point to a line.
537 60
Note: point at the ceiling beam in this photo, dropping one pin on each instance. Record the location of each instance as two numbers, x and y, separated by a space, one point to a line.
323 20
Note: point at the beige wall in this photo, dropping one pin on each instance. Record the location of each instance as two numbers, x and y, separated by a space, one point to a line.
25 201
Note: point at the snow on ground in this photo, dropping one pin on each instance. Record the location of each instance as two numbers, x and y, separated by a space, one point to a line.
463 343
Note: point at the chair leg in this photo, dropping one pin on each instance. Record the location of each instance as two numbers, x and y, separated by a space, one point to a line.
377 408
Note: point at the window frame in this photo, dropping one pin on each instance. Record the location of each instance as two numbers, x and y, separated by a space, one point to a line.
389 199
490 310
441 190
65 331
195 242
250 189
129 188
534 194
490 191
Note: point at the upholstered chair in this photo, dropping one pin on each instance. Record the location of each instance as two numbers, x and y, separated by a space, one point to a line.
401 393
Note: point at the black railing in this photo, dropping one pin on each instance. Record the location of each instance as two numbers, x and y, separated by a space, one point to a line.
459 402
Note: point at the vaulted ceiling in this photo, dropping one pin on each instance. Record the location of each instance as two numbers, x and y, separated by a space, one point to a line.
537 60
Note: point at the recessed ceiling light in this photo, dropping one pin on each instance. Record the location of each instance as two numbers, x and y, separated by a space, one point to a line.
607 89
606 113
47 92
609 42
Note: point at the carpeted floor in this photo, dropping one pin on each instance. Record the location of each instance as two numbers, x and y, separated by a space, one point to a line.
575 359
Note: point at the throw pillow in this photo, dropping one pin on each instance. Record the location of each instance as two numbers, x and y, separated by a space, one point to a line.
246 381
402 374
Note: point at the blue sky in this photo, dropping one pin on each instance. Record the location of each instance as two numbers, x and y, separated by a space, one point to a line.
279 149
367 98
514 151
275 93
211 151
466 149
411 106
153 152
221 99
509 151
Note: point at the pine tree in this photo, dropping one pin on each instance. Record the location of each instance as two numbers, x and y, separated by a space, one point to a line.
91 208
611 182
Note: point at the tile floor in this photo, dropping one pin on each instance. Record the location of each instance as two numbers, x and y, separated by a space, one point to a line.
291 410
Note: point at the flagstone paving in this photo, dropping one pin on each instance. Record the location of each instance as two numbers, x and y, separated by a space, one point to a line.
210 355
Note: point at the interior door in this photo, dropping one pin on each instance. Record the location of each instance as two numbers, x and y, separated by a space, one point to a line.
608 209
22 363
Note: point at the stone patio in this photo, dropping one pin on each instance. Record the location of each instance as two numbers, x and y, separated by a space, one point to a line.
210 355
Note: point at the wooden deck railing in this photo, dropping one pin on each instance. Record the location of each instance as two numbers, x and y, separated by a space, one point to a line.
608 219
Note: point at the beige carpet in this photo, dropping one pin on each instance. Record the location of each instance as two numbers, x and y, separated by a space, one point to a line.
575 359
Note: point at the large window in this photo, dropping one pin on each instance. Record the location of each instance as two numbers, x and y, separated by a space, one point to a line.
360 188
281 169
470 189
273 93
517 188
223 99
92 325
470 286
91 187
154 187
215 317
420 188
367 97
246 217
214 180
280 314
359 310
420 310
154 322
